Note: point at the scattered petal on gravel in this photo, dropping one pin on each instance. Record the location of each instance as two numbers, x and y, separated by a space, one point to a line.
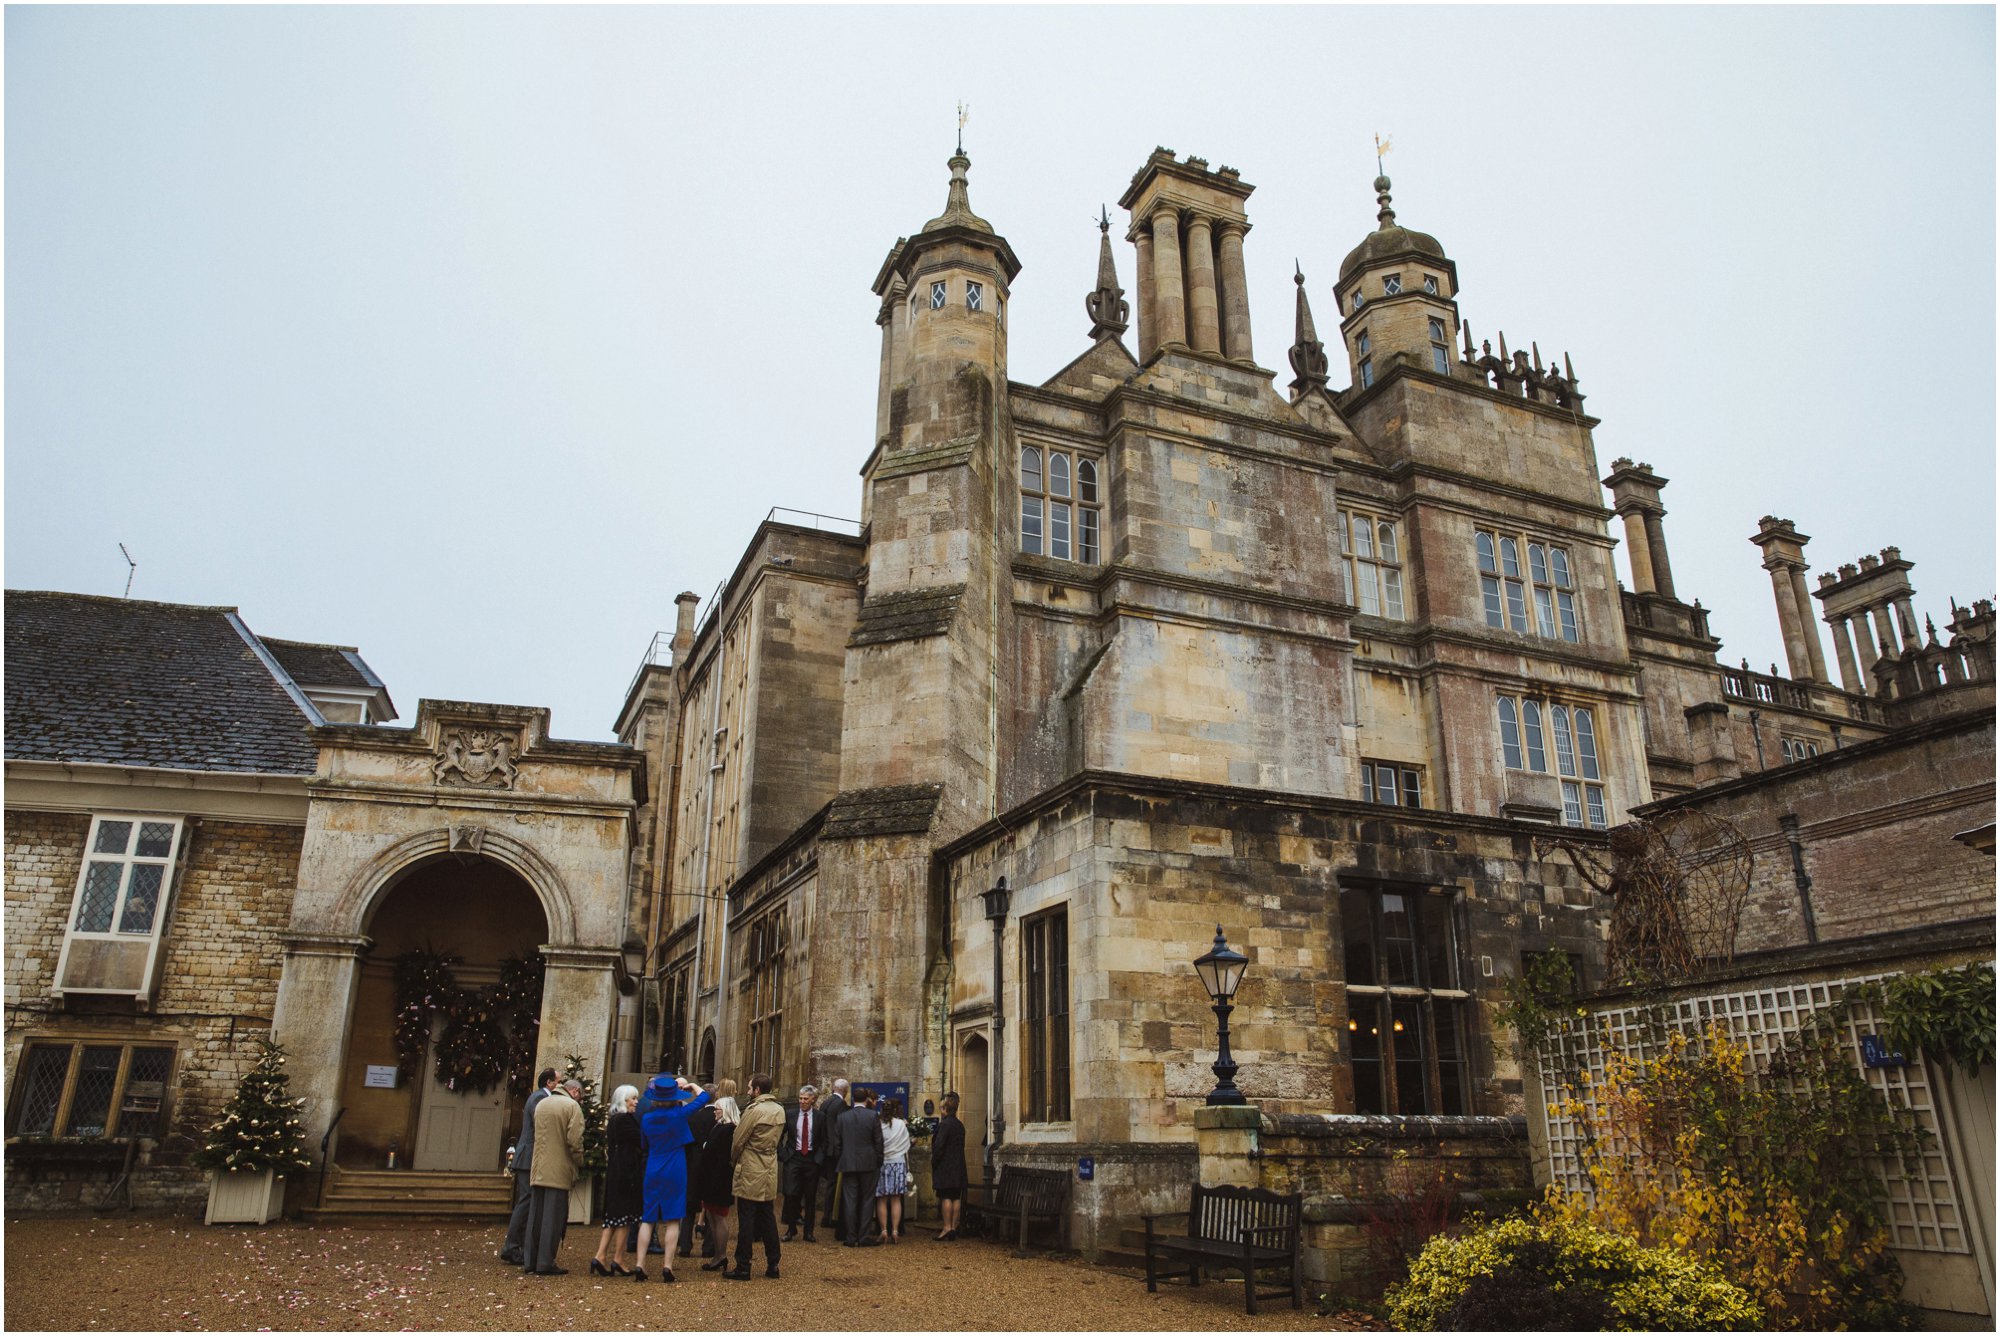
157 1273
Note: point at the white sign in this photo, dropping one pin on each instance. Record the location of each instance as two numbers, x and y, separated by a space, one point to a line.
383 1078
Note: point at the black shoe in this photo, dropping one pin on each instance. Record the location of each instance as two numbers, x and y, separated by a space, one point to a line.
771 1272
738 1273
849 1243
639 1274
869 1243
791 1234
717 1265
553 1271
618 1270
598 1268
811 1239
511 1258
666 1275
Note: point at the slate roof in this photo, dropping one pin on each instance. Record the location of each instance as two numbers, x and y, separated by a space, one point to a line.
319 665
898 809
130 682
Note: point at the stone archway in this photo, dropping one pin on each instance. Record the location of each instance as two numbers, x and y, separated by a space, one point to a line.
482 912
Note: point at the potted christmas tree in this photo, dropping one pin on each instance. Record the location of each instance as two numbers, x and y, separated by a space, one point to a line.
253 1145
594 1115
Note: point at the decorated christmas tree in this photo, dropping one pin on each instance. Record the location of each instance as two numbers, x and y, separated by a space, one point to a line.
259 1127
593 1115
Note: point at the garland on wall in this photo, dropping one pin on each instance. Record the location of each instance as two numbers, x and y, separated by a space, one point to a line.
488 1034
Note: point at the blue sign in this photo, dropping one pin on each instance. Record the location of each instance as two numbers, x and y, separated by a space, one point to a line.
883 1090
1086 1168
1875 1053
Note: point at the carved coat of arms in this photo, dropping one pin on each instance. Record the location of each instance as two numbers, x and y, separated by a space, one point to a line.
478 757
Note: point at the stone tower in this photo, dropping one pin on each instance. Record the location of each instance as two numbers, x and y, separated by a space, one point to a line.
918 729
1397 294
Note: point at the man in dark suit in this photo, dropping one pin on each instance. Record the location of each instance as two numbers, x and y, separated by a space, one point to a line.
799 1161
830 1110
524 1164
857 1142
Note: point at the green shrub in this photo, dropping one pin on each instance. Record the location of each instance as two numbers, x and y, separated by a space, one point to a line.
1530 1273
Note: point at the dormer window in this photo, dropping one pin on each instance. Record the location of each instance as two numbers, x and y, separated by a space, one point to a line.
937 295
973 296
1392 285
1431 284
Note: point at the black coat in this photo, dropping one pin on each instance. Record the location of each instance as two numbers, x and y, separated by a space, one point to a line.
828 1112
948 1155
624 1167
715 1176
857 1141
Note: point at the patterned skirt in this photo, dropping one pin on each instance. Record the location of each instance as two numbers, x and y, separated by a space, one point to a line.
895 1179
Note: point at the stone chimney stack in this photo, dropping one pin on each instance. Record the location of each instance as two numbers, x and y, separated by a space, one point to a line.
1869 602
685 604
1635 498
1784 557
1188 225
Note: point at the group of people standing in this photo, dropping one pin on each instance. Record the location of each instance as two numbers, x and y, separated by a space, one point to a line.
679 1153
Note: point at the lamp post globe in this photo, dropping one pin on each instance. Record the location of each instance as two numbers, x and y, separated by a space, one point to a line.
1220 971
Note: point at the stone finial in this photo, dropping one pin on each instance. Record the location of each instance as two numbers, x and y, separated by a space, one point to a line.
958 200
1308 354
1385 216
1107 305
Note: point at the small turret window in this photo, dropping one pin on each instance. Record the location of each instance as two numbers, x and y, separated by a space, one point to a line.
1367 373
973 296
1392 285
1437 330
937 295
1430 284
1361 343
1359 300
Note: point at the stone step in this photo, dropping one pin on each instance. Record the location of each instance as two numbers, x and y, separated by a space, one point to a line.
348 1211
400 1177
1123 1259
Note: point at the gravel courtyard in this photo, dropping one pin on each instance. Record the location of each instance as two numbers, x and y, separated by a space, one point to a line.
138 1273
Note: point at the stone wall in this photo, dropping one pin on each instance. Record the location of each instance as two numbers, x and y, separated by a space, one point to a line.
1874 824
219 975
1145 872
1369 1184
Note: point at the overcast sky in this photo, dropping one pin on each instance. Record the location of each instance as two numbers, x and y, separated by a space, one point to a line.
472 336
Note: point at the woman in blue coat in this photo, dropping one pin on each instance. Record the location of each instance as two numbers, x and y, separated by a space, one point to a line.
663 1122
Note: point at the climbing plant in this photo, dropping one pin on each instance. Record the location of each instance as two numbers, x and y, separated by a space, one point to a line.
1946 1014
1772 1172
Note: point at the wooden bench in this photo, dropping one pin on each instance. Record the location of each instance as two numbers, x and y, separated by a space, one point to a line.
1236 1229
1021 1196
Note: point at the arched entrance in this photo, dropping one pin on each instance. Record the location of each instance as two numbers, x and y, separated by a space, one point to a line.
972 1065
462 905
704 1067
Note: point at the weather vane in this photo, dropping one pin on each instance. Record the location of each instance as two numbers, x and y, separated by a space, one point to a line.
1103 219
1381 147
962 110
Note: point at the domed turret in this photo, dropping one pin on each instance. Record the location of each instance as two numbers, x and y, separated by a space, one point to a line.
1396 292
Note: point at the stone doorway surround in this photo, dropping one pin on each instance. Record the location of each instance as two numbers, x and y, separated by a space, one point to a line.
475 780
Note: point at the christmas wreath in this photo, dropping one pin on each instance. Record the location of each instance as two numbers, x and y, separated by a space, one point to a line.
488 1035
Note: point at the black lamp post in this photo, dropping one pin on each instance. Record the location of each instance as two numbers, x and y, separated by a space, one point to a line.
1221 970
996 914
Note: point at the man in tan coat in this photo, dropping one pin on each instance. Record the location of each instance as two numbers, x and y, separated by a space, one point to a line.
558 1156
754 1152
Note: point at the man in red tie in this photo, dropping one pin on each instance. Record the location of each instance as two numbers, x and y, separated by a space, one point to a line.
799 1157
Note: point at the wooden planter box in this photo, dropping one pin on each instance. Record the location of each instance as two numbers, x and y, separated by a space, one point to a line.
236 1198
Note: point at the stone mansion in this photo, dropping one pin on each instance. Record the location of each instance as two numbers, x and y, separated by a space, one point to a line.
953 795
